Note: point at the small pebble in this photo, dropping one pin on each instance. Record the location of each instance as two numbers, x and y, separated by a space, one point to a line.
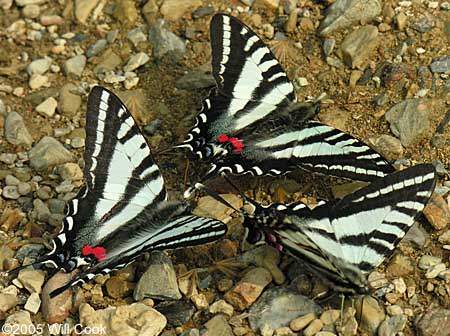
313 328
200 301
10 192
23 188
11 180
394 310
399 285
427 261
136 61
434 270
301 322
47 107
283 331
33 303
330 316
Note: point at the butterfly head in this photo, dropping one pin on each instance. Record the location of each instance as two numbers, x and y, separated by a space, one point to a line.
304 111
258 221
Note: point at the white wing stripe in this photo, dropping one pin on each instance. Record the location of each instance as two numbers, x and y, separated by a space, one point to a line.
250 42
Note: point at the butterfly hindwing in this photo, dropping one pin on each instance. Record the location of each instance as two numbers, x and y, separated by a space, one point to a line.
183 231
374 219
314 147
347 239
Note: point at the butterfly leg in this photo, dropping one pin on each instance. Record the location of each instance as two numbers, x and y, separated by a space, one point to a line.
186 173
342 307
325 187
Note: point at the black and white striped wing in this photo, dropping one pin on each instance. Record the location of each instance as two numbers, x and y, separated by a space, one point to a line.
122 180
251 84
314 147
354 235
181 232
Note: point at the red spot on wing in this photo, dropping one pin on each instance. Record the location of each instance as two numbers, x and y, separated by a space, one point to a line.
222 138
98 252
238 145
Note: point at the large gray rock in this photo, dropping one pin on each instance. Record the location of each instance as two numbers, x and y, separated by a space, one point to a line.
47 153
166 45
345 13
358 45
16 132
441 65
392 325
409 120
69 103
75 65
159 281
277 307
434 322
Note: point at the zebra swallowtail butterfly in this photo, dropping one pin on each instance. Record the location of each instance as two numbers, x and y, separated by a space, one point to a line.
344 241
123 209
251 122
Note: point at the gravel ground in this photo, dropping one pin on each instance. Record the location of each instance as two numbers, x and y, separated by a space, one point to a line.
384 68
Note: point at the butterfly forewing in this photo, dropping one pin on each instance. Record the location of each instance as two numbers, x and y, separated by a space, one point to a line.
122 179
244 67
250 84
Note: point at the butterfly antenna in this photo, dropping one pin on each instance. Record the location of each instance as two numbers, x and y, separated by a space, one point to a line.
234 187
170 149
213 194
250 201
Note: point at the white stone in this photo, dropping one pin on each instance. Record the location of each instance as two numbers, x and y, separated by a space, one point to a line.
39 66
33 303
136 61
302 81
47 107
223 307
434 271
37 81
